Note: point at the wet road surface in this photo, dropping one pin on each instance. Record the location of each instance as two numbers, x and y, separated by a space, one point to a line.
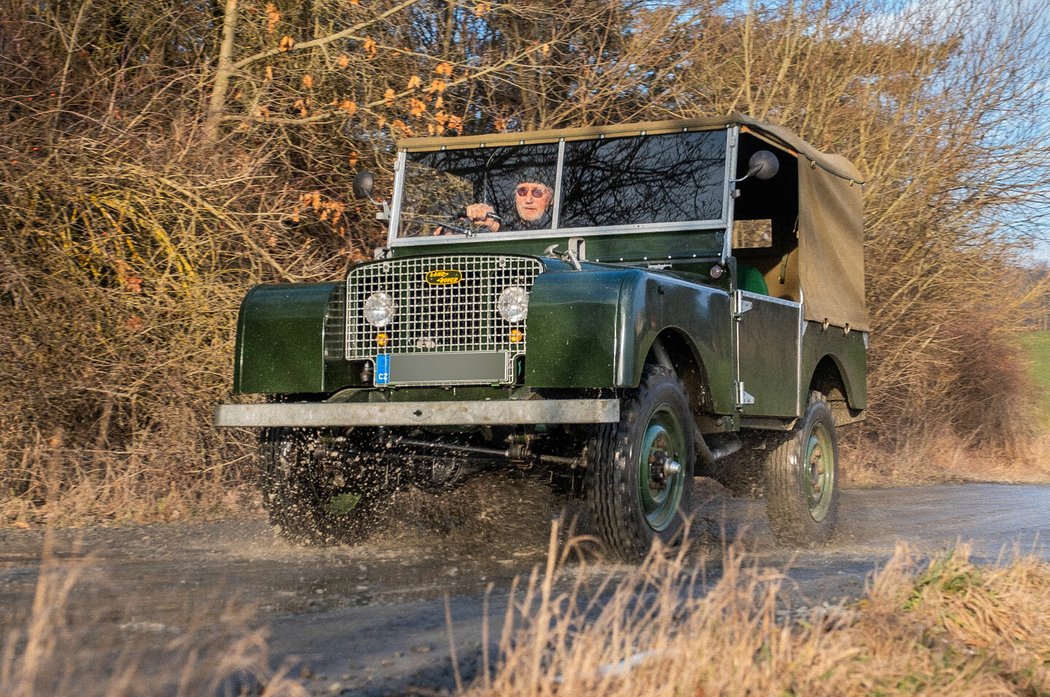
371 619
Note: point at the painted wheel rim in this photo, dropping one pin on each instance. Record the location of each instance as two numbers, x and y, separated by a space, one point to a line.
663 441
343 503
818 471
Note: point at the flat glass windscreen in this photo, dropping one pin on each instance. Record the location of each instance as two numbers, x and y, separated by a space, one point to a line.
509 188
638 180
670 178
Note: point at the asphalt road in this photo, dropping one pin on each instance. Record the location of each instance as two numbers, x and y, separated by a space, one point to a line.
371 619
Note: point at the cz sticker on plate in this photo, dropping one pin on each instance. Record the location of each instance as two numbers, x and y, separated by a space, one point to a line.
383 369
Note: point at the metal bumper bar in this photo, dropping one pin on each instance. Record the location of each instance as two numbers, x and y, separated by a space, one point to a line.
321 414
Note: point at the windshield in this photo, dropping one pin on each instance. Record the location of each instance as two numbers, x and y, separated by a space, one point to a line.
440 187
625 183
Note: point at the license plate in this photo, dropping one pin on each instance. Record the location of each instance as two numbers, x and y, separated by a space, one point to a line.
442 368
383 369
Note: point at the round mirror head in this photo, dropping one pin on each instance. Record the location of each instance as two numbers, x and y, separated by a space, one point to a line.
364 182
763 165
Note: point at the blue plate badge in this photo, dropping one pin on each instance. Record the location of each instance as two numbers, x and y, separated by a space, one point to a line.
383 369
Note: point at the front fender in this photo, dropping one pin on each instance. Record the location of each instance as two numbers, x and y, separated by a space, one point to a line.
595 328
572 329
281 338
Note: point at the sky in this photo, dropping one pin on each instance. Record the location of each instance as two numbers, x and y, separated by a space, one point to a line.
1040 121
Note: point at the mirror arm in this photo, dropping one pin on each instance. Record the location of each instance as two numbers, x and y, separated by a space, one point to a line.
384 208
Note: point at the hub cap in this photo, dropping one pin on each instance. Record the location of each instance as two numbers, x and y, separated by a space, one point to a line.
660 489
818 476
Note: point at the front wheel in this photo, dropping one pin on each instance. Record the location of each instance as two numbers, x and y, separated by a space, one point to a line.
802 479
313 500
640 470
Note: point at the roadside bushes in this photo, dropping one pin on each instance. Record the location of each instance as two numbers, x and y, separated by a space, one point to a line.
122 265
115 288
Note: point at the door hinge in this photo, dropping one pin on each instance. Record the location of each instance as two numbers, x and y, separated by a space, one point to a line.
743 397
742 305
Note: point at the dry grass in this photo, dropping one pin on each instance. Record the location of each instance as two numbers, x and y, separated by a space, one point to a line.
60 648
945 457
988 424
66 486
940 627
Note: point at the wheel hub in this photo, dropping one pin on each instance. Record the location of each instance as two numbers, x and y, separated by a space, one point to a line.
661 477
662 465
819 472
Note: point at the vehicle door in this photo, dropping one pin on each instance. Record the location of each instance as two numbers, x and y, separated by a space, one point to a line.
767 337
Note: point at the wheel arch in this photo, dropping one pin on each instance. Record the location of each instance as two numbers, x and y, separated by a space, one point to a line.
829 379
673 349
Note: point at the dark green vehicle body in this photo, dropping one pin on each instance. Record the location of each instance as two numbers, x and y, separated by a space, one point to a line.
749 354
289 335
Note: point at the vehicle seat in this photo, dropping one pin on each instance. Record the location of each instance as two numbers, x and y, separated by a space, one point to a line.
751 280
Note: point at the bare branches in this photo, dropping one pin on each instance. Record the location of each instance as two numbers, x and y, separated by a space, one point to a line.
349 32
113 204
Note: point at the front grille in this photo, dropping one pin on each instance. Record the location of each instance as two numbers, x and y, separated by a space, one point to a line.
433 317
335 324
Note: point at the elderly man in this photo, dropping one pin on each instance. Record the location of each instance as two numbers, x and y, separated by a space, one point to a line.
532 203
532 210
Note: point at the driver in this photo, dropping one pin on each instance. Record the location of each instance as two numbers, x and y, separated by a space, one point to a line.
532 210
532 203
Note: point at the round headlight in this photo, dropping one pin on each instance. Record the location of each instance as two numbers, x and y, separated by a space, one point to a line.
513 303
380 309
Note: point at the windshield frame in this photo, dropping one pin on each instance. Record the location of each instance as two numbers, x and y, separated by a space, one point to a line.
721 223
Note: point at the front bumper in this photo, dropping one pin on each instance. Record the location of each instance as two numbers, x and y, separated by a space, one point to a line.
462 413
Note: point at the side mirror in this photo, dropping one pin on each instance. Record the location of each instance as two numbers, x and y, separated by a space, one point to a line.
364 182
762 165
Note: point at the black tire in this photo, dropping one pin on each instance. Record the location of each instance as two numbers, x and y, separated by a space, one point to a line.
311 502
802 489
632 498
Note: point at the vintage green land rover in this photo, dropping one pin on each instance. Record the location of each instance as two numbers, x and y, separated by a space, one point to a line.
681 288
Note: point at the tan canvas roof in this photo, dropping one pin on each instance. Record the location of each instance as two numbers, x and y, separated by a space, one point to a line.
772 132
830 226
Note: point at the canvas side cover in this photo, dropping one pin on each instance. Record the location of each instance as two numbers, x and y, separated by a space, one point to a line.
831 246
830 230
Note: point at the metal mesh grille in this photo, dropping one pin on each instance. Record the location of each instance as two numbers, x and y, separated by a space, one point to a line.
438 318
334 324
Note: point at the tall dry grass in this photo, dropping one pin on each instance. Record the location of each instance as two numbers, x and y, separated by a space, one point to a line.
940 626
61 648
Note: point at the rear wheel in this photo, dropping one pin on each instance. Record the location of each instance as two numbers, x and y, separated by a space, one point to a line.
313 498
802 479
640 474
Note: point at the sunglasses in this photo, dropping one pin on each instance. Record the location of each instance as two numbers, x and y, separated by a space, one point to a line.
537 191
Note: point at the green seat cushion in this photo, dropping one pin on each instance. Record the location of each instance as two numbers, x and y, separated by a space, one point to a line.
751 280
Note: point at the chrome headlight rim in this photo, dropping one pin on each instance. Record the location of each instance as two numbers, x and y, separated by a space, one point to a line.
513 304
379 309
